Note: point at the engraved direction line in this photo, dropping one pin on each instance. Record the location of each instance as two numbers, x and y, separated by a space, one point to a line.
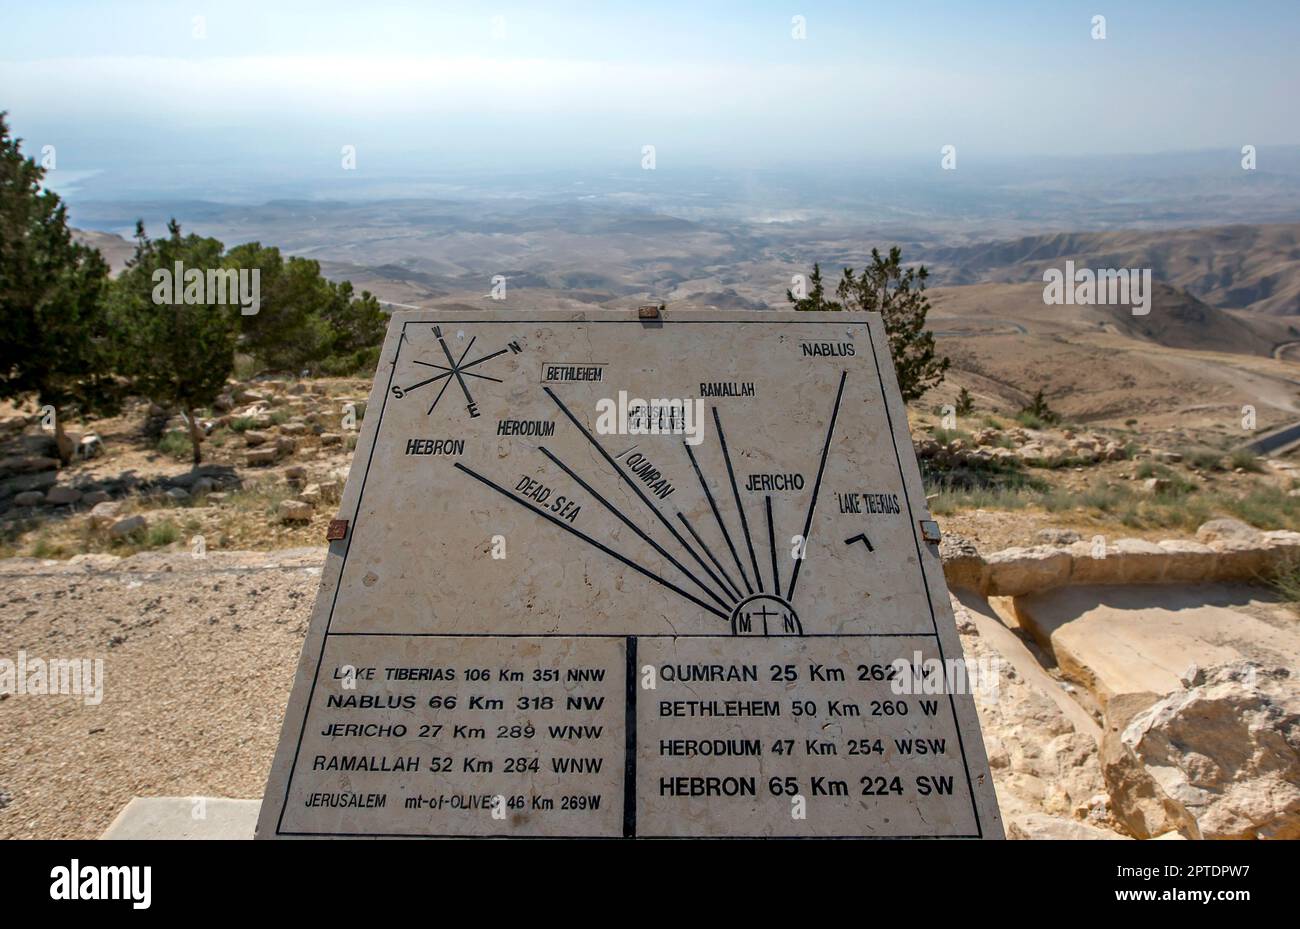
637 529
860 537
440 393
744 523
731 585
436 377
817 485
457 368
456 364
717 515
430 364
590 541
636 489
771 540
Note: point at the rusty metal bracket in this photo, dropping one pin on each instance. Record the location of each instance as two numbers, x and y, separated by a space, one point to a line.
338 529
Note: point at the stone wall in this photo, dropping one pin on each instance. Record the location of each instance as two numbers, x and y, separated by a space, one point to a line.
1225 550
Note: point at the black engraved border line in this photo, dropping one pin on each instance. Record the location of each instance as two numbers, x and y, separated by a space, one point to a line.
731 588
590 541
629 740
744 523
717 515
925 583
622 475
817 486
771 541
635 528
338 586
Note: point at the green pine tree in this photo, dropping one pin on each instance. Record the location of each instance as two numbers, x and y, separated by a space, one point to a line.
177 353
898 295
55 341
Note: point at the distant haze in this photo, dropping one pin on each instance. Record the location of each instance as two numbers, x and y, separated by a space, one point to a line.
254 95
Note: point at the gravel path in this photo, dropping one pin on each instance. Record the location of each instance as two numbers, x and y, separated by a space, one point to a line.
198 654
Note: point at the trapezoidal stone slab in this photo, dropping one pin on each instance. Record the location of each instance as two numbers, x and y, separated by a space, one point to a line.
610 577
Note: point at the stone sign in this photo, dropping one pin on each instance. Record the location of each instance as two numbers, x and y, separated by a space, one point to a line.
612 576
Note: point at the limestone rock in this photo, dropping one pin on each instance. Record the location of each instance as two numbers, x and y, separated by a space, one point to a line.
26 464
124 527
1043 826
962 564
1016 571
253 438
62 495
1140 562
1043 762
1052 536
262 457
1221 529
1227 751
1187 561
104 514
29 498
1136 799
295 511
1239 559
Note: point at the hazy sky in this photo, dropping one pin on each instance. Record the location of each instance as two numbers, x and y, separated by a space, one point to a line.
278 87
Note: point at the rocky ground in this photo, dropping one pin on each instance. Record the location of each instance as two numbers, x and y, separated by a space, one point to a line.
275 454
1168 712
199 655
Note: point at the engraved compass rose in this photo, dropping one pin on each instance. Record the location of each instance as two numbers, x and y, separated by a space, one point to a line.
455 369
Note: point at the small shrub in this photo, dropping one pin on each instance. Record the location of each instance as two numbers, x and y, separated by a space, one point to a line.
176 444
1038 411
945 436
1246 460
1203 459
1285 581
161 534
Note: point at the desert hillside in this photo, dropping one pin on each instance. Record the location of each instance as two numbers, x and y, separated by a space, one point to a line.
1243 267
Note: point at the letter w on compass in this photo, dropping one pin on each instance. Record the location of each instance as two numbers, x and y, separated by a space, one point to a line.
456 368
